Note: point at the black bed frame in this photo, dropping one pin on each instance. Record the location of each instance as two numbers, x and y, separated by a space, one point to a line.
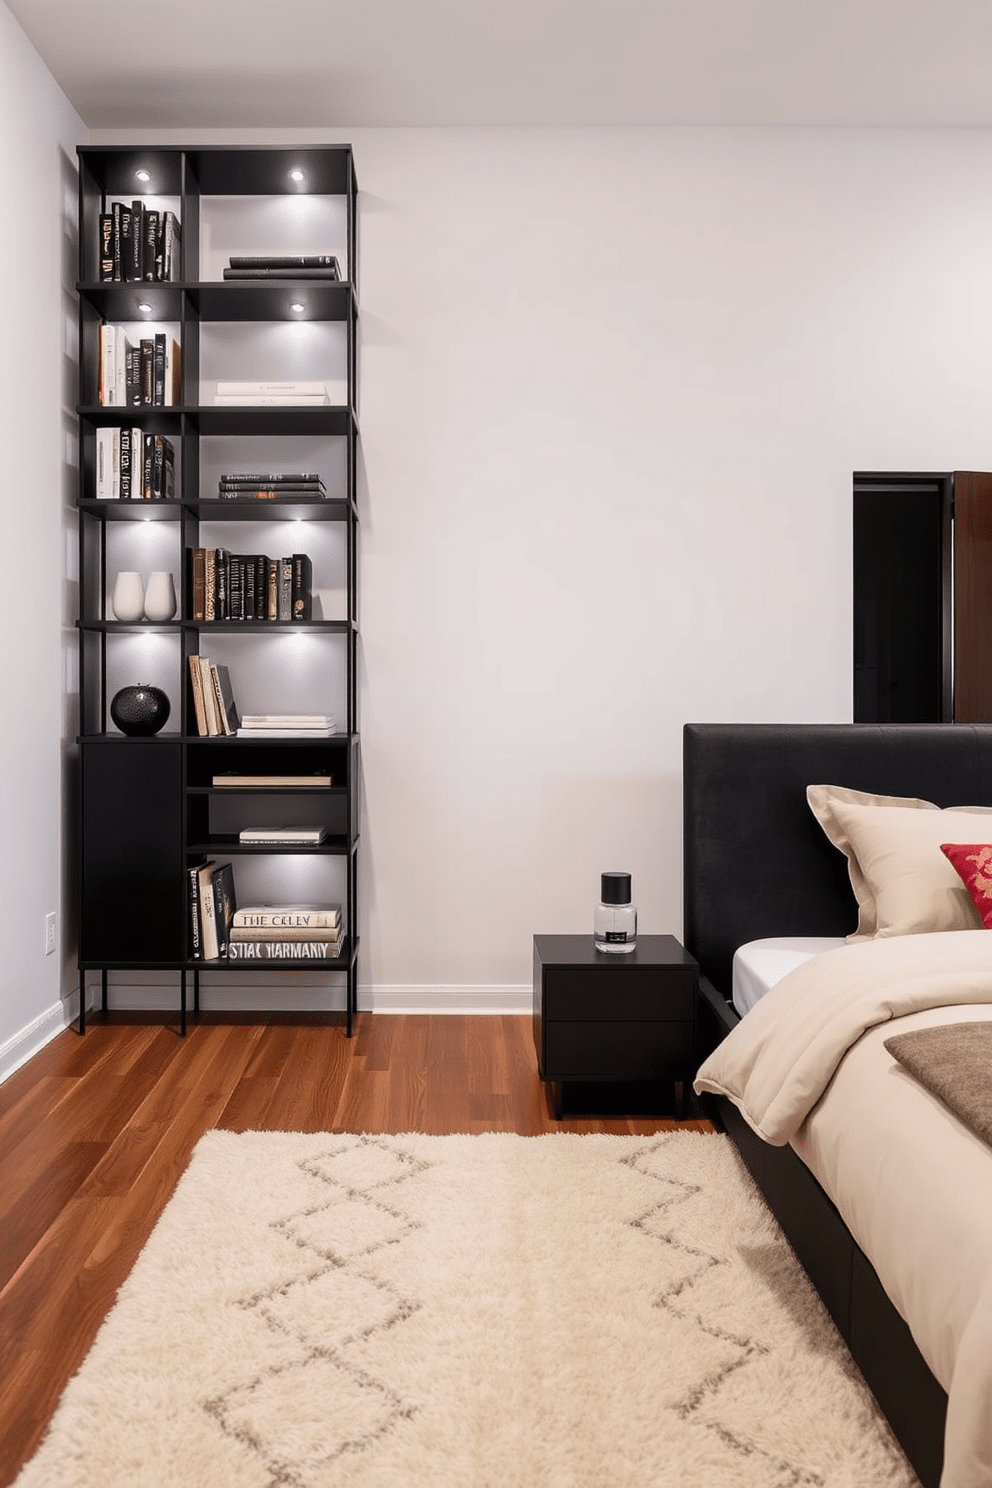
758 864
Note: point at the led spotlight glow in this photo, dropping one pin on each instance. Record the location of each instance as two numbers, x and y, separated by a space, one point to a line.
296 174
297 308
143 175
145 309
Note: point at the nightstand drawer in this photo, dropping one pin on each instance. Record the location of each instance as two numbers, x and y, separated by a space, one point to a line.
619 994
625 1051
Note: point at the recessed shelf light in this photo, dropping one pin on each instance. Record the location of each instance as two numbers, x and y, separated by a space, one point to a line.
296 174
145 309
297 308
142 175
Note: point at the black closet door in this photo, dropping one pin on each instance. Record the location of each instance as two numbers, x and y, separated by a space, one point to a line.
133 885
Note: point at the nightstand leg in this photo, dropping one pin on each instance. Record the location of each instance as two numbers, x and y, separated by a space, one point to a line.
559 1099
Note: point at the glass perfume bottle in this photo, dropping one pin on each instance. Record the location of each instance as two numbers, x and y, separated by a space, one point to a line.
614 923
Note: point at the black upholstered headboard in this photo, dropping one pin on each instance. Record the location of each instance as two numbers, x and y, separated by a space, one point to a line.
756 862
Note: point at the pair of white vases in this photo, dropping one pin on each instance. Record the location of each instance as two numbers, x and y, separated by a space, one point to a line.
133 600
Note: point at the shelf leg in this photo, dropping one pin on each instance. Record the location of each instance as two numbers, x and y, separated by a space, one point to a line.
182 1004
82 1003
352 996
196 993
104 1005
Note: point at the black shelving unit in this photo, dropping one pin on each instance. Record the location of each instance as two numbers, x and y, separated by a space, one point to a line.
148 809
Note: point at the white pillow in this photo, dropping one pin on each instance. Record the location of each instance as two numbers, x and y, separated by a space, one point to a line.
823 801
914 888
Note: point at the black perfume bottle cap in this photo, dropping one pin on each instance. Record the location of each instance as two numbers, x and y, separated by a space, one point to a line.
616 888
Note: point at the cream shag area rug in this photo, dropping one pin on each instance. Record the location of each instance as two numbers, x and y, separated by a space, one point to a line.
482 1311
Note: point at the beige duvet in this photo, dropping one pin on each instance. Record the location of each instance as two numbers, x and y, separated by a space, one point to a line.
807 1066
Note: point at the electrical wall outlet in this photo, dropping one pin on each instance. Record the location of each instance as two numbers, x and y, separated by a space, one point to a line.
50 933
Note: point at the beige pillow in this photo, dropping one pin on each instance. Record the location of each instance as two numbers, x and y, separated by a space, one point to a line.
914 887
823 800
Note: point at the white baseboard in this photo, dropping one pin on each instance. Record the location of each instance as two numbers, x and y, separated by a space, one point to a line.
401 999
24 1044
257 995
262 997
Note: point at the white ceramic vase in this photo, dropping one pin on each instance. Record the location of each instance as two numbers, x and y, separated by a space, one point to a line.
160 598
128 598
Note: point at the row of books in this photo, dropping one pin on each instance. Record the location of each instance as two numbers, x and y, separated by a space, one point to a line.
137 243
264 932
134 466
283 266
250 586
275 394
216 714
146 375
248 485
214 708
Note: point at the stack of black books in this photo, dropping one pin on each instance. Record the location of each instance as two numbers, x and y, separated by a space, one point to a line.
284 266
256 486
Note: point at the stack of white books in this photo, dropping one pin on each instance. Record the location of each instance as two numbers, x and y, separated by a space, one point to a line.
278 394
287 726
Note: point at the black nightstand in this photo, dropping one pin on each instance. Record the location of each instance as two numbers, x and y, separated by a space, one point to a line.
599 1016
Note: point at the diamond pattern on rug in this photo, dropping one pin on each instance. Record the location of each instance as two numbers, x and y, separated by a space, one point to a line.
346 1228
358 1306
685 1298
346 1409
339 1414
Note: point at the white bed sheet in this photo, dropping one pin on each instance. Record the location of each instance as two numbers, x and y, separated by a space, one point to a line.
761 963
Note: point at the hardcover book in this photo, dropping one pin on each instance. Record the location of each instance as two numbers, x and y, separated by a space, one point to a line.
283 950
208 914
329 274
199 707
225 904
227 707
288 916
290 836
271 478
193 894
232 778
266 400
302 601
150 242
330 933
284 261
106 247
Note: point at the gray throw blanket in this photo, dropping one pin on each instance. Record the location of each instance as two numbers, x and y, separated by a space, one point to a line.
953 1062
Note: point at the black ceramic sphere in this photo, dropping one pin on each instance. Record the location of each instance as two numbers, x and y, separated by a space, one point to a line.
140 710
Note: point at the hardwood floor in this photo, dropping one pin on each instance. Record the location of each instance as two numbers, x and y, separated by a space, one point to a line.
95 1132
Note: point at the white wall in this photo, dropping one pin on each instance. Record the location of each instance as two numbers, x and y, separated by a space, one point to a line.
614 387
38 137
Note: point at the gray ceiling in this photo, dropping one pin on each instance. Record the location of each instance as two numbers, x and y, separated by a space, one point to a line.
164 64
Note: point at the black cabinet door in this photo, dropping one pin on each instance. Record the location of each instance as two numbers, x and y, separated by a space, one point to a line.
132 904
902 598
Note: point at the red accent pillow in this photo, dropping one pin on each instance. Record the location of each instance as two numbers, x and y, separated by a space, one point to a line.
972 862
